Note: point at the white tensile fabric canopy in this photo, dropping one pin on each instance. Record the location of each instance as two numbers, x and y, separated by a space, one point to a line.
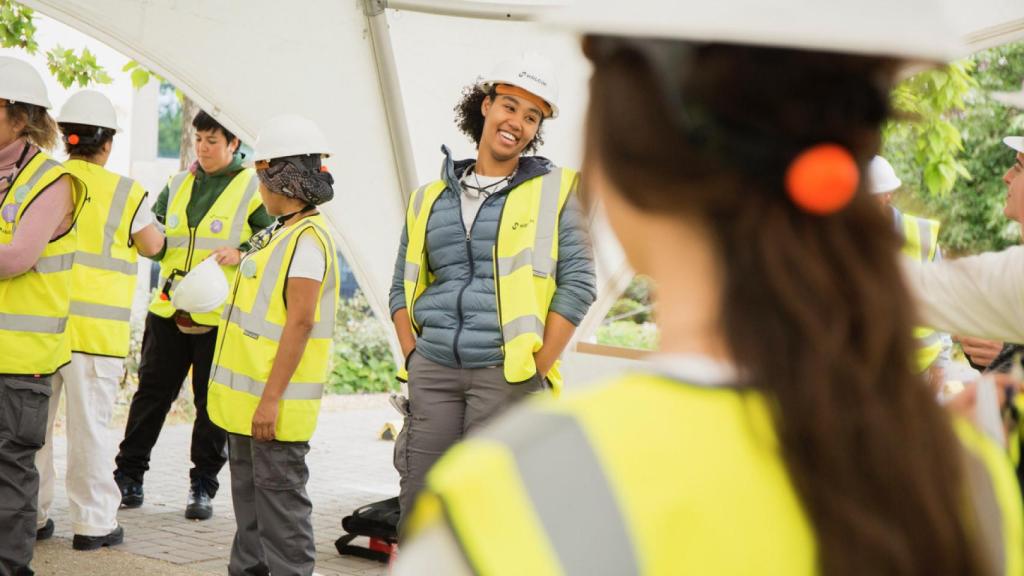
381 78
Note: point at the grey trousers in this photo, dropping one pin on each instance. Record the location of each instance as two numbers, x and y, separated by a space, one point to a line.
446 404
273 513
24 406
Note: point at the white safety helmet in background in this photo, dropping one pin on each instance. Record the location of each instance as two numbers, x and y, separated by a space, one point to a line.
19 82
531 72
202 290
882 177
289 135
915 30
90 108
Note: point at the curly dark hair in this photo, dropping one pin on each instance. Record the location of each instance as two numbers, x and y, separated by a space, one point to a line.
470 120
91 139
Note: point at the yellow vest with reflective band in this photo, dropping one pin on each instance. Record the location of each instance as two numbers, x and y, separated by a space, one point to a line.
525 258
651 476
226 223
250 331
106 263
34 305
920 242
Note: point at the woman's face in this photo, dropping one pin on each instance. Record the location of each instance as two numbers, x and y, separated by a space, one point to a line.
9 129
1014 179
510 123
213 150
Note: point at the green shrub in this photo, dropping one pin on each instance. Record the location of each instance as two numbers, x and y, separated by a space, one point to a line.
629 335
362 360
629 310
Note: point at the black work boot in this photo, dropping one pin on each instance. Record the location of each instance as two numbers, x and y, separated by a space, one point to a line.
200 502
131 490
46 532
96 542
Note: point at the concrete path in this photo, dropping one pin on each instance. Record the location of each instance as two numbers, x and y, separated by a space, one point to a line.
349 467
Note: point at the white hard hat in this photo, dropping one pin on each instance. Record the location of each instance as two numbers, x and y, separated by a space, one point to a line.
289 135
531 72
203 289
908 29
90 108
19 82
882 176
1013 99
1015 142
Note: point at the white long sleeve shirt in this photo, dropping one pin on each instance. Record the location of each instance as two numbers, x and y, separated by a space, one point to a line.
980 296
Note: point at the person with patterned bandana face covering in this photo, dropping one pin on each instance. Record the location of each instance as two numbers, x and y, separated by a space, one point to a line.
40 201
273 349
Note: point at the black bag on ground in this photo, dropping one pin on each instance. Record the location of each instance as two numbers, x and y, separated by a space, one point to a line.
378 520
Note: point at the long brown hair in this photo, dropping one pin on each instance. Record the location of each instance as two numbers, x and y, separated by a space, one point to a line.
815 311
40 128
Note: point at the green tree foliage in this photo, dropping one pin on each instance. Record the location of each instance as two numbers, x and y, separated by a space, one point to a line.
18 30
971 207
362 360
170 122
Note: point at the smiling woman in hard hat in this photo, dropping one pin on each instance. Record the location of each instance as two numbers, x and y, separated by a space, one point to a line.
115 226
39 201
209 211
494 271
784 428
273 350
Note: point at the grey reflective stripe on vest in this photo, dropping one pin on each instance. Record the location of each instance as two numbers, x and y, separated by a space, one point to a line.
569 491
106 263
547 224
924 230
528 324
417 199
211 243
100 311
241 214
242 383
59 263
29 323
930 340
117 206
177 242
46 166
255 321
173 187
987 511
510 264
412 272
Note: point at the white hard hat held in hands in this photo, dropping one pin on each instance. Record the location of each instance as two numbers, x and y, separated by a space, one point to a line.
531 72
90 108
882 177
20 82
202 290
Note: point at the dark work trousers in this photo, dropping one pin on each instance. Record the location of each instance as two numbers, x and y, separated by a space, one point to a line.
24 405
446 404
167 355
273 514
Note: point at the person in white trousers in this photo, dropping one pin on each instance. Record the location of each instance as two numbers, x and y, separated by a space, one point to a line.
115 226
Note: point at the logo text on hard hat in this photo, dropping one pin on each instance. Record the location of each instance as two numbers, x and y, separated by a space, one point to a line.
525 74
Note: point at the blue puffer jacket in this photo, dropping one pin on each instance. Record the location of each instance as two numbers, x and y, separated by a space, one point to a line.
458 312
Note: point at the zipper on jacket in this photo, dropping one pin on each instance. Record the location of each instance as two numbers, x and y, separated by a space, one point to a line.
472 269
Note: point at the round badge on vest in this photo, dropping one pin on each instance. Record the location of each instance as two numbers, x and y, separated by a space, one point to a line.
20 193
249 269
9 212
216 226
172 221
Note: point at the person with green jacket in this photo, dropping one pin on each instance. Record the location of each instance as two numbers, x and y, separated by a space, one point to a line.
208 211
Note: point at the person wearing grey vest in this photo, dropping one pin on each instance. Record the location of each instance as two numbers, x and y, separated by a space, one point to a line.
455 358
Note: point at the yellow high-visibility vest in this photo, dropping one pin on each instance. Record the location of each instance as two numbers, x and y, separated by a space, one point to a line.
651 476
921 242
249 335
226 223
525 258
34 305
106 263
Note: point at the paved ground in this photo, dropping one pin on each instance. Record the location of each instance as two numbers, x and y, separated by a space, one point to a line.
349 467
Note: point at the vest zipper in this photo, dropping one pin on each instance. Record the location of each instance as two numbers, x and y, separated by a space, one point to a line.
191 248
472 269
